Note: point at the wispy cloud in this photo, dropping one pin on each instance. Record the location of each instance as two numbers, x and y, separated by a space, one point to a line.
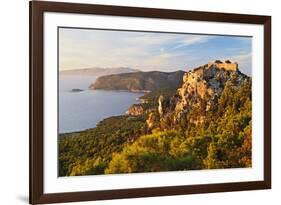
192 40
242 57
80 48
245 62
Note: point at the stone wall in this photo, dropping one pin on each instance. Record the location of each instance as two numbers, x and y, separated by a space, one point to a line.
224 65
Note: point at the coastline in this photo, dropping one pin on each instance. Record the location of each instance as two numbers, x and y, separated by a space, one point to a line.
122 90
138 100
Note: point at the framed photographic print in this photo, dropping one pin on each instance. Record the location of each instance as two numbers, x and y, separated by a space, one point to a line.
138 102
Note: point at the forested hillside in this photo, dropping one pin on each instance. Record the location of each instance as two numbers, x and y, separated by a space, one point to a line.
204 124
139 81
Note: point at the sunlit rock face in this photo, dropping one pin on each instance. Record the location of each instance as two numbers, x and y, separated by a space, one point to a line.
201 88
135 110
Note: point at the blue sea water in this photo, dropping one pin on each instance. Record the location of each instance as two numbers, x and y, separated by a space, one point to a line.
82 110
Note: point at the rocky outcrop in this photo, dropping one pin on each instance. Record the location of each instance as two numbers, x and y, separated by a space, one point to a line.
200 90
136 109
152 119
160 105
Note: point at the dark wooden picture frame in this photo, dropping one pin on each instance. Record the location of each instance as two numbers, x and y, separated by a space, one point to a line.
37 8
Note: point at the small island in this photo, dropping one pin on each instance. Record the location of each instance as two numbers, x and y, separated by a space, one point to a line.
75 90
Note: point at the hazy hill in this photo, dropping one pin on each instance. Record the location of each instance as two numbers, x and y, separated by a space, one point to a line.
139 81
96 71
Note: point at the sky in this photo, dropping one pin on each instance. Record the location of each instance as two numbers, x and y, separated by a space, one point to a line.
147 51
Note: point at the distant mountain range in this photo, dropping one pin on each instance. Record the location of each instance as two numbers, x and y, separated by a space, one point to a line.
97 71
139 81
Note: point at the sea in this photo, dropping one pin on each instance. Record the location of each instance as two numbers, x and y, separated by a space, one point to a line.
82 110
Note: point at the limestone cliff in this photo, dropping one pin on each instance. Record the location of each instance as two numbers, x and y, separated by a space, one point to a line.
136 109
199 93
206 83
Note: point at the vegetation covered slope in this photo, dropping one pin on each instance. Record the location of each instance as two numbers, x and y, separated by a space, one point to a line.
139 81
89 152
222 140
205 124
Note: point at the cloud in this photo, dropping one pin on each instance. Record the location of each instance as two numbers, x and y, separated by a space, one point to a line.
192 40
244 61
143 50
111 48
242 57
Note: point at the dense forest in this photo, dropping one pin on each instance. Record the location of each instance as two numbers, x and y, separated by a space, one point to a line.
203 124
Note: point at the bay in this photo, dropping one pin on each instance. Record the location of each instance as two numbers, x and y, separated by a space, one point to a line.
84 109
